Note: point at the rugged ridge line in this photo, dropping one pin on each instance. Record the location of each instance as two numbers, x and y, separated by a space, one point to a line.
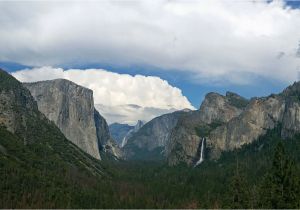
228 122
260 115
185 138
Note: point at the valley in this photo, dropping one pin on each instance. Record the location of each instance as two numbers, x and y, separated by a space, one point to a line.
141 104
177 160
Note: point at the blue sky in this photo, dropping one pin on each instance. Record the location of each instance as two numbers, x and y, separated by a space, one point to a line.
193 91
247 47
293 3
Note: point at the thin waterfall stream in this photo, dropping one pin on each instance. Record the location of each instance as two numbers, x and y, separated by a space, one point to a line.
201 154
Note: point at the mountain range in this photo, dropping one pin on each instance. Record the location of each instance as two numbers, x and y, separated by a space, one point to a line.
225 122
57 151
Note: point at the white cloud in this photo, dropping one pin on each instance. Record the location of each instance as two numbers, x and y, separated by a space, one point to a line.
113 89
129 113
213 40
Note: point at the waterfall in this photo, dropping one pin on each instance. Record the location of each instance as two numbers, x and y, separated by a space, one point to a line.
124 141
201 154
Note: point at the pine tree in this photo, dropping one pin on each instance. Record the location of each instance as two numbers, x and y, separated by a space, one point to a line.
239 192
280 186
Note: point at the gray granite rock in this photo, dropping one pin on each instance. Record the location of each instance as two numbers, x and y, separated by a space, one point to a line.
215 110
229 122
71 108
260 115
152 136
131 132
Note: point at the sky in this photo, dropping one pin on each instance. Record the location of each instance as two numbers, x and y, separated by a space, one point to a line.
164 54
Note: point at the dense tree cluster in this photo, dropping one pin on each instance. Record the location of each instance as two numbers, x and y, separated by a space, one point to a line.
264 174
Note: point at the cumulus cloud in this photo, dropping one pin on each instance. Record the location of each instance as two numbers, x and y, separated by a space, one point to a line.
130 113
113 89
229 41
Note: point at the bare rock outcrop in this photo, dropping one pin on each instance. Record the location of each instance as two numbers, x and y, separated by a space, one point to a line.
185 138
71 108
260 115
150 140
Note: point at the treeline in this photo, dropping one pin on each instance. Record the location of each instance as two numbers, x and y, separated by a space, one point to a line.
264 174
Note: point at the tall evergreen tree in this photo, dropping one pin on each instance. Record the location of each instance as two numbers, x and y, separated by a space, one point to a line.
239 196
280 186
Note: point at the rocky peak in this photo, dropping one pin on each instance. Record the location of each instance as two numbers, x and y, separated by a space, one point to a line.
216 107
236 100
138 125
215 110
260 115
71 108
292 91
131 132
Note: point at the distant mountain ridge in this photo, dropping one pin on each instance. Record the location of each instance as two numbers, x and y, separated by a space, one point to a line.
231 121
226 122
131 132
118 131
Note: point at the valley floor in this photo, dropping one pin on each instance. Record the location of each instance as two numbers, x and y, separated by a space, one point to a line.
264 174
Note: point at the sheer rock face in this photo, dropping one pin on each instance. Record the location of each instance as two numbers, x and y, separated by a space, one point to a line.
105 141
216 107
152 136
238 122
215 110
131 132
71 108
259 116
15 99
18 110
183 143
291 119
19 115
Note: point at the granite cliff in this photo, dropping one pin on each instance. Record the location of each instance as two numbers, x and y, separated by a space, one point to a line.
131 132
184 143
150 140
71 108
31 142
228 122
260 115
